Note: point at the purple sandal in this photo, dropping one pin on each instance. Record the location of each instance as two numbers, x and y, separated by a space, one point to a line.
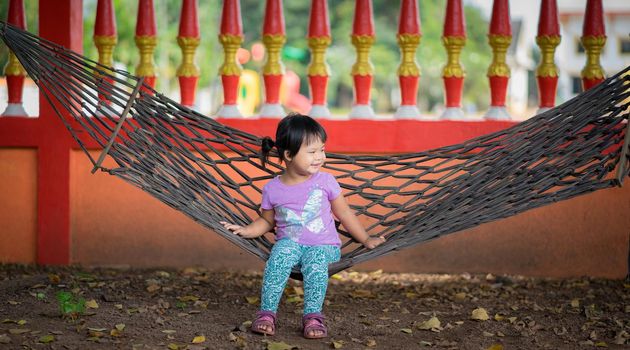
314 321
264 319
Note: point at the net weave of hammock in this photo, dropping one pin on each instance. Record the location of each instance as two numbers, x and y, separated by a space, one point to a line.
212 172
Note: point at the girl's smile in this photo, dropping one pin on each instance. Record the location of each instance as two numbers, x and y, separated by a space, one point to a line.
309 159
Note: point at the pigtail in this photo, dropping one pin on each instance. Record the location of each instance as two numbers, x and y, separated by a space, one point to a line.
266 147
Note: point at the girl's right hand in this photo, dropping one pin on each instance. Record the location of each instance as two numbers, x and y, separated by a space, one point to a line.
373 242
236 229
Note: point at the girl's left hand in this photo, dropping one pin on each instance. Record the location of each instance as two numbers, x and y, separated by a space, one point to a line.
373 242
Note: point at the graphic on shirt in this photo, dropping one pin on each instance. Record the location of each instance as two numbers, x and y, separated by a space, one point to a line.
310 219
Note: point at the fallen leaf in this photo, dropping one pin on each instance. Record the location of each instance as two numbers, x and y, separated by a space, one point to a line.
279 346
362 293
460 296
252 300
173 346
575 303
46 339
621 337
199 339
495 347
294 299
479 314
153 288
370 343
4 339
169 331
92 304
54 279
406 330
19 330
432 323
337 344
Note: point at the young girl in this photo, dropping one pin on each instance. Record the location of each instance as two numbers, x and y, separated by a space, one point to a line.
300 204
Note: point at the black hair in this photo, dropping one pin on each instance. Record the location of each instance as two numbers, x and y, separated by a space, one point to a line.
292 131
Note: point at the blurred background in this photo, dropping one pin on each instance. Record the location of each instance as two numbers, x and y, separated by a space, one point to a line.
523 55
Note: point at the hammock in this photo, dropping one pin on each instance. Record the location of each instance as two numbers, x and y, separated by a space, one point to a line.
212 172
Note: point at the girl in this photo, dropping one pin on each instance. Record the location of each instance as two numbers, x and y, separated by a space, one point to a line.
300 204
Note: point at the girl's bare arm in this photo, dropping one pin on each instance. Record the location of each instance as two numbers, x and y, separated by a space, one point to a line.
257 228
344 213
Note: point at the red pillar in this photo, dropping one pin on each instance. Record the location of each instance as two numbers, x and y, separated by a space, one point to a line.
548 39
408 72
454 39
273 71
105 39
146 40
499 38
593 39
13 70
188 39
231 37
318 40
60 21
363 37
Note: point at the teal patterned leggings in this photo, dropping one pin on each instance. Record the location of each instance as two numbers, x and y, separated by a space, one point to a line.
314 262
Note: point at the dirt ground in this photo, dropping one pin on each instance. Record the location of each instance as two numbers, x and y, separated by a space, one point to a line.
194 308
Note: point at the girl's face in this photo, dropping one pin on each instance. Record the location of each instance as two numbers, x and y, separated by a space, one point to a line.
309 159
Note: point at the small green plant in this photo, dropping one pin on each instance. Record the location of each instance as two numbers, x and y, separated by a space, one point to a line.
70 304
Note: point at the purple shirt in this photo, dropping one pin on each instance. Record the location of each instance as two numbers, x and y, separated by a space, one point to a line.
302 212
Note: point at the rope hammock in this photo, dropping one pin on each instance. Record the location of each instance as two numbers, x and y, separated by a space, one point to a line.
212 172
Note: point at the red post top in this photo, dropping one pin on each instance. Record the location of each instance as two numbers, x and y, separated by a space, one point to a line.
454 23
105 19
409 21
145 25
274 19
188 21
231 18
500 22
594 19
548 23
318 24
16 14
363 22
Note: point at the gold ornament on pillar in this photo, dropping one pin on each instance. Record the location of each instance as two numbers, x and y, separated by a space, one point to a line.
13 66
453 45
230 43
593 46
146 45
408 44
499 44
105 46
273 44
318 46
362 66
188 68
547 44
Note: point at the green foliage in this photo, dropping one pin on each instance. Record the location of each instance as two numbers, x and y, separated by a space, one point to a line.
70 304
